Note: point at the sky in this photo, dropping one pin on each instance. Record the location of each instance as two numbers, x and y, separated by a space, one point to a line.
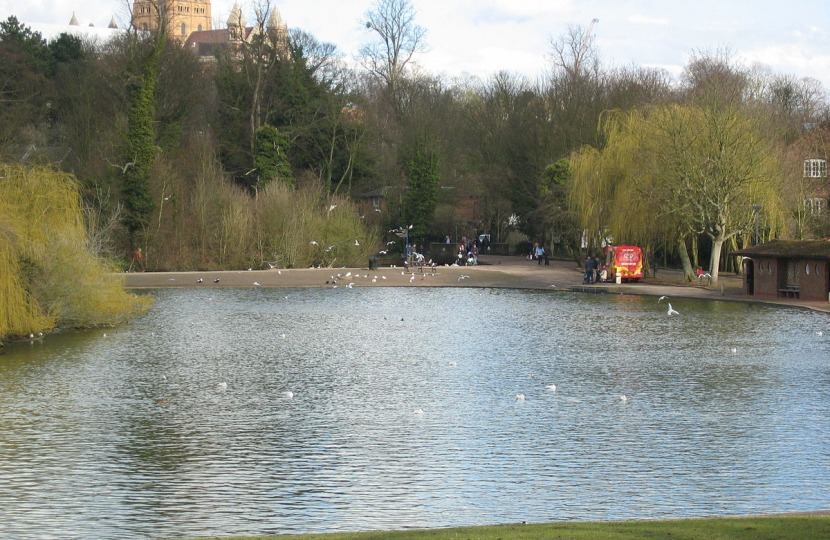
484 37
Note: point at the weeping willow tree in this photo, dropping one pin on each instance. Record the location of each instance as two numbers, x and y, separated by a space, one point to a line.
676 171
48 276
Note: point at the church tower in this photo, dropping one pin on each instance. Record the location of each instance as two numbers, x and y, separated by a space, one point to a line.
185 16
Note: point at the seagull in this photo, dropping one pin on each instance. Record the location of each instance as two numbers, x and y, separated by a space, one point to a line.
552 285
216 280
350 285
257 284
223 386
551 387
382 252
332 207
452 363
313 243
391 242
377 209
672 311
279 272
419 412
462 276
199 280
661 299
520 397
734 350
356 242
623 398
819 333
289 394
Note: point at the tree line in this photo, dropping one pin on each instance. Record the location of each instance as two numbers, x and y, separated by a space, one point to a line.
247 159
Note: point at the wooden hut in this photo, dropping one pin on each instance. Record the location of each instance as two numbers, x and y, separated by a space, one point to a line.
788 269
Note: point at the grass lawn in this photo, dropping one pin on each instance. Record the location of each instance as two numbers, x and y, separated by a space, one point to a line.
813 527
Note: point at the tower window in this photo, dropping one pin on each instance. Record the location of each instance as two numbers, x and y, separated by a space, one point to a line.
184 29
815 168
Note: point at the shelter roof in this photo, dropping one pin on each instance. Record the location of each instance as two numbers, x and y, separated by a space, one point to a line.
810 249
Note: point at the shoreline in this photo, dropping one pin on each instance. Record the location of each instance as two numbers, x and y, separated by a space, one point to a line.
512 272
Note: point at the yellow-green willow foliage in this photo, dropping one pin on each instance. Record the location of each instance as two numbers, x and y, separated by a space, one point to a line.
672 171
48 277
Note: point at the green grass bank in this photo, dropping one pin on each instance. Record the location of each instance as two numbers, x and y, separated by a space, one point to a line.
790 527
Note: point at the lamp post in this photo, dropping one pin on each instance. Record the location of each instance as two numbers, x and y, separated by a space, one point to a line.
756 209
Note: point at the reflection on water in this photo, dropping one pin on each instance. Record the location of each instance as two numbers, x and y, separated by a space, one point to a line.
179 424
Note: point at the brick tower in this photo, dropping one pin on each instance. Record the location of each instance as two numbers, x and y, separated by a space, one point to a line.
186 16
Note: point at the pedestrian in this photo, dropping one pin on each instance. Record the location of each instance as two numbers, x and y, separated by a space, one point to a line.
589 270
540 253
447 239
138 260
596 270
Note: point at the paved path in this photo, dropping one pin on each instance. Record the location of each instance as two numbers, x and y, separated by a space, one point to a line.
495 271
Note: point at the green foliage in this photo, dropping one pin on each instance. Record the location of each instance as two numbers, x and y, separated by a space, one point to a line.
270 157
13 32
424 173
140 148
48 276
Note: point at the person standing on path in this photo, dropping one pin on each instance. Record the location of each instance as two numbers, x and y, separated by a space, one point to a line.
540 253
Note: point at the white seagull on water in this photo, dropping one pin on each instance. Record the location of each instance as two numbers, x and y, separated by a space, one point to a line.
672 311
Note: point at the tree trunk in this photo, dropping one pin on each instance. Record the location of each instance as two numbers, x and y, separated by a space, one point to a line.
714 262
688 272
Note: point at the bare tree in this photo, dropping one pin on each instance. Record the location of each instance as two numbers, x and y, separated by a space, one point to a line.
399 39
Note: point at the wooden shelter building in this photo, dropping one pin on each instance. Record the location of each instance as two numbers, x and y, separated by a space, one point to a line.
788 269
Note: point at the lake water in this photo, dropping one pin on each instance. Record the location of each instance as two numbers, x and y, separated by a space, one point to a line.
180 425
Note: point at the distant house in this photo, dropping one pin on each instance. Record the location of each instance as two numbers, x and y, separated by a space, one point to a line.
788 269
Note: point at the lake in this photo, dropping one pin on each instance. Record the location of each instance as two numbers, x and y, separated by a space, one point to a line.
271 411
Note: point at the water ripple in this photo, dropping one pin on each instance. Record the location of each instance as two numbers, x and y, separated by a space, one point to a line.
402 413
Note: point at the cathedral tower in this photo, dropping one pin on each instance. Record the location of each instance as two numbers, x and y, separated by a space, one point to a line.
186 16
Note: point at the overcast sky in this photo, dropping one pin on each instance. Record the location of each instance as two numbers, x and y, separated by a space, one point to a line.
482 37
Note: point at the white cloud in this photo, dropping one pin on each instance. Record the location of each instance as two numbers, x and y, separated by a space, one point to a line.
791 58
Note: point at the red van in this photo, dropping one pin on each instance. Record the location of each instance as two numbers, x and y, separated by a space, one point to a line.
625 261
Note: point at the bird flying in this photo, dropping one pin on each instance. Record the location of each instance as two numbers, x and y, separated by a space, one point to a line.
672 311
661 299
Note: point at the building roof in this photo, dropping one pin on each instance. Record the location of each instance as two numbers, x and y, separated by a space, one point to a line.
805 249
208 36
53 31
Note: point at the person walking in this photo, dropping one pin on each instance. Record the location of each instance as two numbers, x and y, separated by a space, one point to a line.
540 253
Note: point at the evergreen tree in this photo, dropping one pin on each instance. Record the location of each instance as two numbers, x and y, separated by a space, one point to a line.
270 159
424 171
